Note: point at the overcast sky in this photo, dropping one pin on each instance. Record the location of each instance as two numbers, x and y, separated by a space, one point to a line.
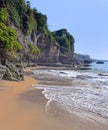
86 20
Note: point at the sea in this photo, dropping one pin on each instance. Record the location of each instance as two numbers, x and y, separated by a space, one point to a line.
87 97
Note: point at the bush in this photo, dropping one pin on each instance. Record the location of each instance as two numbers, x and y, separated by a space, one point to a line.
3 14
34 49
8 38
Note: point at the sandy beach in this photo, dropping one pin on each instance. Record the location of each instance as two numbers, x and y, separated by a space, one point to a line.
23 108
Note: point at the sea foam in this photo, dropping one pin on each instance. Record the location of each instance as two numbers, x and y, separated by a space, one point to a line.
91 98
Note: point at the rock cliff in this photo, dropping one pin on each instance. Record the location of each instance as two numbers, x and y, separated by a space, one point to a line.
39 45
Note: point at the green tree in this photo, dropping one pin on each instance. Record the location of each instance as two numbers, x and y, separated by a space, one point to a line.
8 41
41 22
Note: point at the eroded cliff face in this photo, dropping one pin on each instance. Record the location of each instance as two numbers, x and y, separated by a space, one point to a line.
49 50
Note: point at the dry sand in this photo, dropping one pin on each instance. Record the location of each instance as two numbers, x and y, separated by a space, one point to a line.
23 108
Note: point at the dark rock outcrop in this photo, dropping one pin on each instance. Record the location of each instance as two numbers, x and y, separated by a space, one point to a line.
14 72
85 59
2 3
2 71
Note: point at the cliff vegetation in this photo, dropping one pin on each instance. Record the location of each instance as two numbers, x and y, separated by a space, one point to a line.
65 40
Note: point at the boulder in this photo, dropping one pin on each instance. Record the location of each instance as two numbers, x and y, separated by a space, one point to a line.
14 72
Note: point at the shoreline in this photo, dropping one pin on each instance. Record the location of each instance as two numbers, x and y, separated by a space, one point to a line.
23 107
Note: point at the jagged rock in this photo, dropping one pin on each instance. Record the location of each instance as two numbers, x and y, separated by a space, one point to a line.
14 72
2 71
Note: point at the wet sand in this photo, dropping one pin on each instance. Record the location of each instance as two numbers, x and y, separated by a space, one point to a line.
23 108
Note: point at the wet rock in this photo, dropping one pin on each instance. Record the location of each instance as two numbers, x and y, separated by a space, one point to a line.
63 73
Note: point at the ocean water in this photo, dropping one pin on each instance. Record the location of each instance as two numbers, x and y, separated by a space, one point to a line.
100 67
92 97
